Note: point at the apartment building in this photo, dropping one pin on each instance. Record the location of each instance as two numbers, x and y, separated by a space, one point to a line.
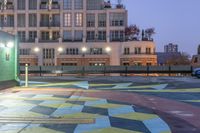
73 33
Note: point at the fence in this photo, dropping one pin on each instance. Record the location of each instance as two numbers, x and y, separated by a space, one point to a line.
60 70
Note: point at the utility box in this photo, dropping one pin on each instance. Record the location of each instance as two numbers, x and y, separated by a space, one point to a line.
8 58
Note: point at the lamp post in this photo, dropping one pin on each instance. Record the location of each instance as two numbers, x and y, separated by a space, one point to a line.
84 50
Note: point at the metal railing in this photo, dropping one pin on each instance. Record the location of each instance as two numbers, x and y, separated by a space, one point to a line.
108 70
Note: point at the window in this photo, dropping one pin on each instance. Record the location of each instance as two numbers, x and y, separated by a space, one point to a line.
22 36
44 20
117 19
69 64
67 19
196 60
126 64
67 36
32 4
96 51
56 35
48 53
32 20
148 50
10 20
90 20
137 50
72 51
78 4
97 64
117 35
1 21
79 19
94 5
21 20
55 20
25 51
67 4
149 63
102 35
45 35
21 4
78 36
32 35
126 51
90 35
102 20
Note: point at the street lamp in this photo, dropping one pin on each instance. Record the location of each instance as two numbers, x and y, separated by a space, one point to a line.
36 49
60 49
108 49
84 49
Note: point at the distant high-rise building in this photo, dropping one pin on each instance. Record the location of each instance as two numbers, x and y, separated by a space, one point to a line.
196 58
171 48
198 50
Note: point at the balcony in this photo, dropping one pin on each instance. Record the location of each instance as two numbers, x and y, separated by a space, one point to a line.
44 24
48 40
54 24
55 6
44 5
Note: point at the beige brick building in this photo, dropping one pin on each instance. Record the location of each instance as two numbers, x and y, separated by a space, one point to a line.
73 32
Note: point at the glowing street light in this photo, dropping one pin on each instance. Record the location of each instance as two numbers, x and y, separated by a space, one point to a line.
60 49
10 44
36 49
84 49
108 49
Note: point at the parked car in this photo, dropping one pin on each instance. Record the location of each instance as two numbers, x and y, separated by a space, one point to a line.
196 72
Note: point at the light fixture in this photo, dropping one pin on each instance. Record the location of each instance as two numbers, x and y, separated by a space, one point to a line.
60 49
108 49
2 45
10 45
36 49
84 49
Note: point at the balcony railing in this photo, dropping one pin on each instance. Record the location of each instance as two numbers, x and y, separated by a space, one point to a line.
54 24
55 6
44 24
48 40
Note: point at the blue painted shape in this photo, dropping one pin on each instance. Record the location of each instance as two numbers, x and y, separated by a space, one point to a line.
10 127
101 101
48 102
42 96
83 84
156 125
67 110
74 96
100 123
120 110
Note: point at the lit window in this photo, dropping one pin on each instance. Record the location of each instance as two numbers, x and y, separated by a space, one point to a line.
79 19
67 19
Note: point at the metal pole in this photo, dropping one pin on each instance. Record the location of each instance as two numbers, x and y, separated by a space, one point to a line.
26 75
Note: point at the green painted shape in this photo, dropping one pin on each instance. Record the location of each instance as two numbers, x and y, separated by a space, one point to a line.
81 115
112 130
137 116
8 58
107 106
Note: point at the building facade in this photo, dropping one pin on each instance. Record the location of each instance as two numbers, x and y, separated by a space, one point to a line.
73 33
196 58
171 48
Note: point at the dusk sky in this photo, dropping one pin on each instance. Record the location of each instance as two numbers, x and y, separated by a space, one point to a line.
176 21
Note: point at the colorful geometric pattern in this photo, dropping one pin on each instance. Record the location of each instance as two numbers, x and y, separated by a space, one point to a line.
109 116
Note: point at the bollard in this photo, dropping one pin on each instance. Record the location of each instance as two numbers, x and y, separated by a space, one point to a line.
26 75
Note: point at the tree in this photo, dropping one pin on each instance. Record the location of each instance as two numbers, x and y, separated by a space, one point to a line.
149 32
132 32
179 59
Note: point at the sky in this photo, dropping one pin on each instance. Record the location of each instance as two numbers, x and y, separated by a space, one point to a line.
175 21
